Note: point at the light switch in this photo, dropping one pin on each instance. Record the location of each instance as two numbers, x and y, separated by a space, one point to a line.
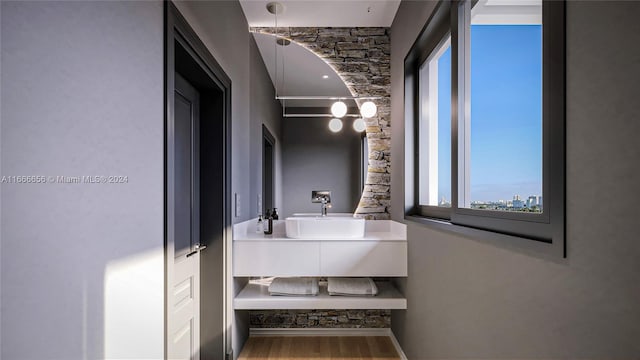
237 204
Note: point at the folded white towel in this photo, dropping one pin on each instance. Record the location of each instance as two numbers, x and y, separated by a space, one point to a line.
294 286
352 286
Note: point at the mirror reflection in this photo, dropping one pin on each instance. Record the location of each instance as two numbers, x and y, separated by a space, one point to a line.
310 149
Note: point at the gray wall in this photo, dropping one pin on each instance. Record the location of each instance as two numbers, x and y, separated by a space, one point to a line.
470 299
223 28
82 94
314 158
82 264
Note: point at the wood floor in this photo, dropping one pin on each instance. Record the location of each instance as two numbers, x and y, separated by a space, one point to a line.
319 348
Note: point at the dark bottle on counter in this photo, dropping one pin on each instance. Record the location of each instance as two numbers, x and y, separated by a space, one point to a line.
274 214
269 223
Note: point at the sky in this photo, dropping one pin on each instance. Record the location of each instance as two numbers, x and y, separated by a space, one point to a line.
506 113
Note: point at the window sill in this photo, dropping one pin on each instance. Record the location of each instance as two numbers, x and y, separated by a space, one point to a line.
548 251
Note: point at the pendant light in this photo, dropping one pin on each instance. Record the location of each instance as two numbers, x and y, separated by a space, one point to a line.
335 125
339 109
368 109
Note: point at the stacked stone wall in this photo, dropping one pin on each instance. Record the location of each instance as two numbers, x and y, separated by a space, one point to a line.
320 318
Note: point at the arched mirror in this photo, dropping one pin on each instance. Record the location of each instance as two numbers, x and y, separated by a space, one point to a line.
318 152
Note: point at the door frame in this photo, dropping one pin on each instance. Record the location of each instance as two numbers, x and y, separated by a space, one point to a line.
177 29
269 138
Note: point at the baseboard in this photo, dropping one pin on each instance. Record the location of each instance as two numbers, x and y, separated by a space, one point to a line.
397 345
329 332
319 332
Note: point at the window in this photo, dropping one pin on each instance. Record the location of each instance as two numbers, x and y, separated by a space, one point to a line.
505 122
435 127
484 103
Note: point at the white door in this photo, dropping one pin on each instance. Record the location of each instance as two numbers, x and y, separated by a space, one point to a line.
183 273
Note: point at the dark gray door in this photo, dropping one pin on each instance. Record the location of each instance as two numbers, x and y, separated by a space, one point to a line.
208 190
187 113
184 272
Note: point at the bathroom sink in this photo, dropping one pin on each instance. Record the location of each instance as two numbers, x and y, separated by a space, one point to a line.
324 227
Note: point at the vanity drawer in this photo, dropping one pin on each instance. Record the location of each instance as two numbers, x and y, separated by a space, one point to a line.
276 258
363 258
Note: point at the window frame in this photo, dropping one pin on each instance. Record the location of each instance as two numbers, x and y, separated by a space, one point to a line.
435 53
543 232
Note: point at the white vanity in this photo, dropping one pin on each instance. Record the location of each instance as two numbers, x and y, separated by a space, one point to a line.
380 252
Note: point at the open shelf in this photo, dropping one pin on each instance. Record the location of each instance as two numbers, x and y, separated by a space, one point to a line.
256 297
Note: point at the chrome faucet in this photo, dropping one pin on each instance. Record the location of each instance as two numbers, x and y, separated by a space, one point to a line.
323 197
323 210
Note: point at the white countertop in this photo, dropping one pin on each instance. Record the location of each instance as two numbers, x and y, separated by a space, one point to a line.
375 230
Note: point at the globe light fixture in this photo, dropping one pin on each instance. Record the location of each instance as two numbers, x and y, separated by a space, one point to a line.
359 125
335 125
339 109
368 109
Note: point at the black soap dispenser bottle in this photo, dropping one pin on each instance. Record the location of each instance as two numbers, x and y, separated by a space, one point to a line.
269 223
274 214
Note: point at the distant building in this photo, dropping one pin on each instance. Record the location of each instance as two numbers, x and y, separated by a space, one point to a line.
444 202
517 202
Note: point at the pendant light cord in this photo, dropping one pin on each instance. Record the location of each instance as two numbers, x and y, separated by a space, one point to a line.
275 48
